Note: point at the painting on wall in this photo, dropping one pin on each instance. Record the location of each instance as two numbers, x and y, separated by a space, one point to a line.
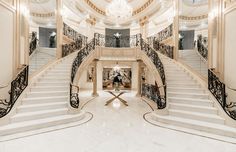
114 76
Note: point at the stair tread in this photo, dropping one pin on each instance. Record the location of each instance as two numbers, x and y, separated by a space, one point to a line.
48 92
38 112
188 93
38 98
38 121
191 99
197 113
198 122
42 104
193 106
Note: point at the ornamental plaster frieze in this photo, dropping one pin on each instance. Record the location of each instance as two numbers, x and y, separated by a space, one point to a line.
43 15
135 12
191 18
228 3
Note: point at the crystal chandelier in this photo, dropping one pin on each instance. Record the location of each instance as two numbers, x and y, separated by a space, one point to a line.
119 9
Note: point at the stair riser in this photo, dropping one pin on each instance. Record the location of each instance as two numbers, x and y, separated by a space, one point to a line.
196 117
185 90
54 81
183 85
40 126
50 89
49 94
63 99
38 108
188 96
193 109
63 84
197 127
191 102
39 116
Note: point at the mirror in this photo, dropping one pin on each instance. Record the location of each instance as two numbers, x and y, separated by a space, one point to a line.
193 35
42 34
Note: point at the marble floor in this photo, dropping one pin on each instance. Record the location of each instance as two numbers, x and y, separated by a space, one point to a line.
115 128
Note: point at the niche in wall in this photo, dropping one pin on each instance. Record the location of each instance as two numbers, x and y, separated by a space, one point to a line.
121 40
187 40
47 37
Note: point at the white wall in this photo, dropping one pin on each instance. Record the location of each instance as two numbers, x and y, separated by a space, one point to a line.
230 54
6 47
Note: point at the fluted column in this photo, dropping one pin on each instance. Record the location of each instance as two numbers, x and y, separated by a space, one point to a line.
95 79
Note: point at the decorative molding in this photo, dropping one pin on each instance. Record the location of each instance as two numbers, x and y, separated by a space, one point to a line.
190 18
135 12
228 3
50 14
143 7
91 20
143 20
94 7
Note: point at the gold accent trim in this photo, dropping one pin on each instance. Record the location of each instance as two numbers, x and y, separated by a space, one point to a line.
135 12
51 14
94 7
228 3
193 17
142 8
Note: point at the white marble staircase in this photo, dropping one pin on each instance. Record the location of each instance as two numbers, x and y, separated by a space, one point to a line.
46 102
189 104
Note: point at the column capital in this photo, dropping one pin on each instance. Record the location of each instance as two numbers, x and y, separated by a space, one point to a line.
144 20
91 20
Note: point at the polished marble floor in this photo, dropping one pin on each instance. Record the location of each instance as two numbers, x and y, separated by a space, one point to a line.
115 128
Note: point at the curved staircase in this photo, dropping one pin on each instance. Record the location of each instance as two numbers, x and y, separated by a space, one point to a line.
46 102
190 104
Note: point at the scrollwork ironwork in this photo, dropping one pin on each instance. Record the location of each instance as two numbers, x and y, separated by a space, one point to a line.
152 92
202 46
18 85
217 88
82 54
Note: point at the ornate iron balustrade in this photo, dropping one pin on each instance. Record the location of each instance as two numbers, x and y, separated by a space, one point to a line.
74 35
123 41
152 54
33 43
82 54
79 40
154 41
18 85
201 47
162 35
217 88
152 92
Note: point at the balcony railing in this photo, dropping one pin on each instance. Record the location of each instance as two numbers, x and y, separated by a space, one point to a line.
18 85
112 41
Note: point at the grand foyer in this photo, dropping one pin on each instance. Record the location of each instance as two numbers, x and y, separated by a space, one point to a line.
117 75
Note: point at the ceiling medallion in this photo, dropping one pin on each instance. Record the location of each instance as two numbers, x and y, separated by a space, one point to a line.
119 9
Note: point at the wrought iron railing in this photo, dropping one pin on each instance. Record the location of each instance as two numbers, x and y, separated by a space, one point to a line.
153 56
155 42
217 88
112 41
202 50
33 43
82 54
73 34
18 85
152 92
79 40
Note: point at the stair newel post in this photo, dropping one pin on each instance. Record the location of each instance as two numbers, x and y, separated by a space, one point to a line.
139 78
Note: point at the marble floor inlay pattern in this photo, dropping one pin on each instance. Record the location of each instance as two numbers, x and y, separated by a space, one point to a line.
116 128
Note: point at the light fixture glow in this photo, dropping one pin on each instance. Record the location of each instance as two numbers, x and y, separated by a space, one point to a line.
119 9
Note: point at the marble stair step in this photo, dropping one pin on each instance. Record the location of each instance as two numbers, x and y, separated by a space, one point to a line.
47 94
187 90
41 106
27 116
188 95
39 124
214 128
45 100
47 83
49 88
191 101
193 108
